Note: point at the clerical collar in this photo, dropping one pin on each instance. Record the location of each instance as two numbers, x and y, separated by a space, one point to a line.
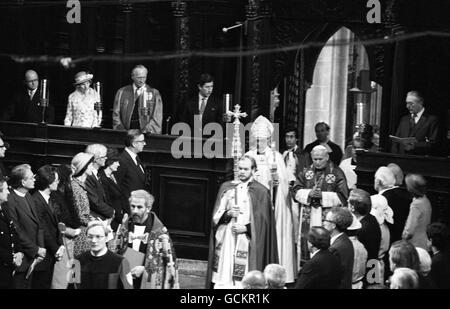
19 193
102 253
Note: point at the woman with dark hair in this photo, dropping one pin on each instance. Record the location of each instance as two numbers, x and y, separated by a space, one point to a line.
419 212
63 198
114 195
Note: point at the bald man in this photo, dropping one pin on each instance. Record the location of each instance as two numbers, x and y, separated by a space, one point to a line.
138 106
317 188
25 105
254 280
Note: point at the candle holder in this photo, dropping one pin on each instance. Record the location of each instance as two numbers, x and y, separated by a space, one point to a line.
44 101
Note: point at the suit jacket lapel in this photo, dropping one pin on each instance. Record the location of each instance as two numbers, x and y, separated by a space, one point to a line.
47 208
136 167
24 207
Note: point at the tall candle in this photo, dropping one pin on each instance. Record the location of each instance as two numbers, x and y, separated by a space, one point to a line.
227 102
44 89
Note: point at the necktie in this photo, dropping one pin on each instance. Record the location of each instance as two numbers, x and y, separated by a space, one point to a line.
139 164
203 106
30 93
412 122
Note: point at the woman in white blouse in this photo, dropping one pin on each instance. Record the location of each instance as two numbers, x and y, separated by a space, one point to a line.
81 104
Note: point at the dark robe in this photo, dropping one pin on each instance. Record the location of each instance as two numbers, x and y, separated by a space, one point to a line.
263 241
103 272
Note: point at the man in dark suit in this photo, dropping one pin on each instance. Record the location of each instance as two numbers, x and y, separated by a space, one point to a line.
138 106
25 105
337 220
46 182
369 234
419 124
29 228
10 257
334 150
323 270
98 203
131 173
203 104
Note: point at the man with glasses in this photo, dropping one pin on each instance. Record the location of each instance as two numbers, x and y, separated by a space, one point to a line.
138 106
25 106
420 125
131 172
337 220
101 268
28 225
99 207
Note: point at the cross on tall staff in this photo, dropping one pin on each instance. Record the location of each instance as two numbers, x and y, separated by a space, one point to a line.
236 144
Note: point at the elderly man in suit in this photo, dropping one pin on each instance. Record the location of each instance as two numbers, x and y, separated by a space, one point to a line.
25 106
25 217
337 220
418 124
131 173
419 212
98 203
46 182
323 270
138 106
203 104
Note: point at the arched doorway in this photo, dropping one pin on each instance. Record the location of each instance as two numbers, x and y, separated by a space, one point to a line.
340 81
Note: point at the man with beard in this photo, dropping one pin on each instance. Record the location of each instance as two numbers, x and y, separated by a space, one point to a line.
146 234
322 185
243 236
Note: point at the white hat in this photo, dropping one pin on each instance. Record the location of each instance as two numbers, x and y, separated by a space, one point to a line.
381 210
80 161
261 128
82 77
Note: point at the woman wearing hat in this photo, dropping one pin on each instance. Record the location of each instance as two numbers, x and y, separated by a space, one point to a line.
419 212
81 102
81 167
